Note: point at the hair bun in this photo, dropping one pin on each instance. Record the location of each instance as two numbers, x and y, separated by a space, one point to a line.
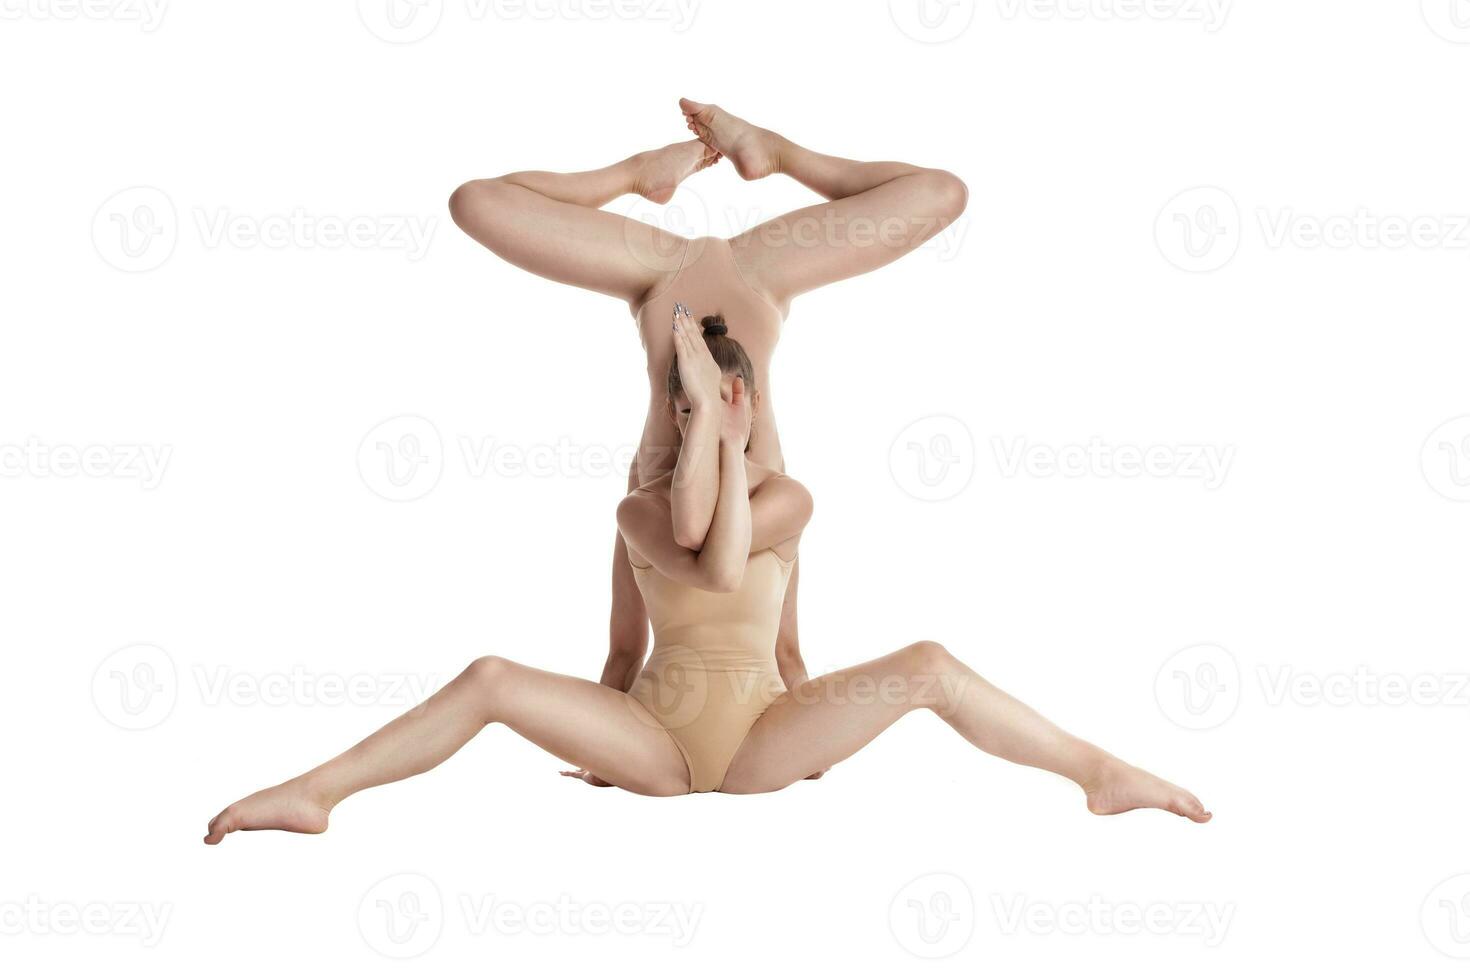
714 326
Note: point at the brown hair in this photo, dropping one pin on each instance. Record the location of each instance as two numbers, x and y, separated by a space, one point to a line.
727 352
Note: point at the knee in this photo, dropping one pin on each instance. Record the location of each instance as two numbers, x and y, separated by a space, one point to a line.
949 193
486 673
927 657
473 202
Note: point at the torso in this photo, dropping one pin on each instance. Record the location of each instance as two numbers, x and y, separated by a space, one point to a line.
708 280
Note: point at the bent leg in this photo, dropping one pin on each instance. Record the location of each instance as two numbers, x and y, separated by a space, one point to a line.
875 212
849 235
550 223
829 718
586 724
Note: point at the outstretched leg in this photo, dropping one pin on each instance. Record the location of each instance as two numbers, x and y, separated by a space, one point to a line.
875 211
550 223
586 724
830 717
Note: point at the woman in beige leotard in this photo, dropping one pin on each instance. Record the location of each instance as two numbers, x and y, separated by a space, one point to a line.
551 224
710 711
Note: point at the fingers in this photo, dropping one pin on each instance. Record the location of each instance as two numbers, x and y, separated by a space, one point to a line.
688 335
737 391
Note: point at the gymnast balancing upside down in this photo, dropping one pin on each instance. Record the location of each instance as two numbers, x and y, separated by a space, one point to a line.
709 712
550 224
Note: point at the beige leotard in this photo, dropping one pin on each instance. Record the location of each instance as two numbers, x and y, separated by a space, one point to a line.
713 668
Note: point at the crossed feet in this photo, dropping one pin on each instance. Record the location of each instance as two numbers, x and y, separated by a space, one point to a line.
753 151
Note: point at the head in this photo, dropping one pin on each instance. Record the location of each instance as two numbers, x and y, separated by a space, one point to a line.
733 363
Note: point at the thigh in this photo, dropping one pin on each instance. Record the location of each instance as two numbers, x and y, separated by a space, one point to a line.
589 725
568 243
811 247
825 720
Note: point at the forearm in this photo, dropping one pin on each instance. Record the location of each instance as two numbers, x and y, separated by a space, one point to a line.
727 546
621 670
696 484
791 668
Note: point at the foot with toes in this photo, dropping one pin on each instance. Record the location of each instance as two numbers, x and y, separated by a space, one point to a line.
289 806
659 172
1119 787
753 151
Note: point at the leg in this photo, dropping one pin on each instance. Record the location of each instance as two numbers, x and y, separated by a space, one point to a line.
549 223
829 718
586 724
876 212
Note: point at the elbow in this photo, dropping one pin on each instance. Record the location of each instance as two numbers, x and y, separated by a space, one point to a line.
688 537
725 580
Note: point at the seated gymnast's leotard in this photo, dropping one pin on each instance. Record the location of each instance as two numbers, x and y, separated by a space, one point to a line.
713 668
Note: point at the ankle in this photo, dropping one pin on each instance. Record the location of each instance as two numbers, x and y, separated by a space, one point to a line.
783 151
1094 768
316 790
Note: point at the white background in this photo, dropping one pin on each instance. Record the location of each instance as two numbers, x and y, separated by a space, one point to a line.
264 561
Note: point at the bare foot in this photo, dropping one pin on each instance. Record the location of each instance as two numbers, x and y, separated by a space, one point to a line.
1120 787
285 807
659 172
753 151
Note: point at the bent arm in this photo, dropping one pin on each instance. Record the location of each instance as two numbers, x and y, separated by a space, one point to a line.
696 486
777 512
646 522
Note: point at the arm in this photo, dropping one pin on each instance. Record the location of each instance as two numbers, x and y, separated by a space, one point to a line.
646 522
696 484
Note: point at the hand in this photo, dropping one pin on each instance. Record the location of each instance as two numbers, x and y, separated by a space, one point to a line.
585 776
735 416
818 774
698 372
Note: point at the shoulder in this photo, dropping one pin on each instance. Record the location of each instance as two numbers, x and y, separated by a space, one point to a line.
650 499
784 489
